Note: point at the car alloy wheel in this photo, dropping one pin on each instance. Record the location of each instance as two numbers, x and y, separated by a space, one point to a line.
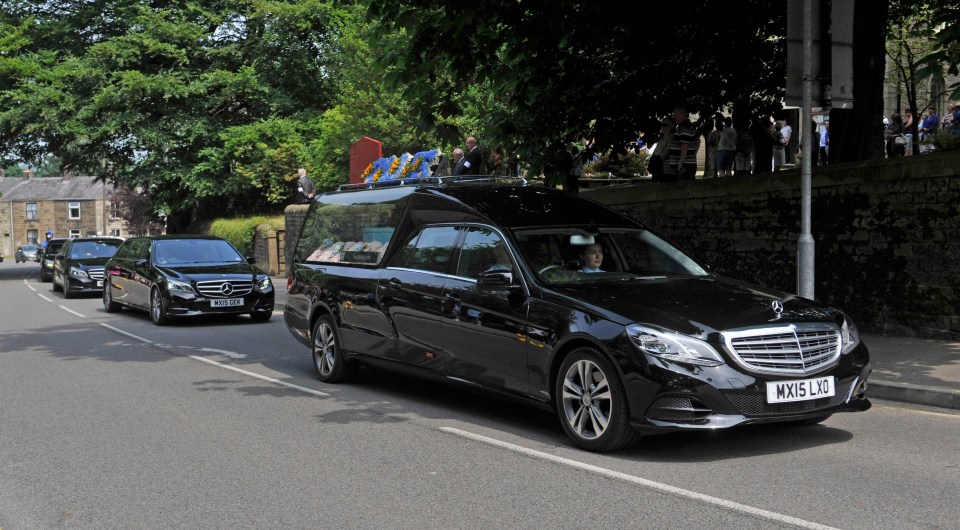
328 359
108 304
592 404
156 308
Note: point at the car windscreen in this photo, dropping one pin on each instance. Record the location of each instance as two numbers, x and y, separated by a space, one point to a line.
93 249
560 255
28 248
195 251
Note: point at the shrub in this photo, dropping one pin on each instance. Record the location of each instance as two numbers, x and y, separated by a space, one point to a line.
240 231
625 166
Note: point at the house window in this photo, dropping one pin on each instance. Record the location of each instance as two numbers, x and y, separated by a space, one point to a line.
32 236
32 211
73 208
74 233
114 232
114 210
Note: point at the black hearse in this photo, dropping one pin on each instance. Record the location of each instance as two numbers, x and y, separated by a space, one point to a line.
528 292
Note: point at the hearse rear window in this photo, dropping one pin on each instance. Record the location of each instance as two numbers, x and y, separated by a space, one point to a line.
355 234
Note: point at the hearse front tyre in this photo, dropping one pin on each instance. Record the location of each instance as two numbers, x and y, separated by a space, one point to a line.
592 403
328 359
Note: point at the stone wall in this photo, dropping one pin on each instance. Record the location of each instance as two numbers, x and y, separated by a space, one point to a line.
887 235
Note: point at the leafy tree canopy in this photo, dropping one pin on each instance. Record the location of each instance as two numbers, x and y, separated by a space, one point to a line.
560 70
189 99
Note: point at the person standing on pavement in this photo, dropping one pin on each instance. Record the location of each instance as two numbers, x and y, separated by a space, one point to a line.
471 158
713 142
457 162
305 187
726 148
779 147
825 143
790 147
683 147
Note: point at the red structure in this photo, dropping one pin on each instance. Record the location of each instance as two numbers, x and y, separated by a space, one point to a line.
363 152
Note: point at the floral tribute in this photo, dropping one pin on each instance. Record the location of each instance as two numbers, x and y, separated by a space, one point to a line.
405 166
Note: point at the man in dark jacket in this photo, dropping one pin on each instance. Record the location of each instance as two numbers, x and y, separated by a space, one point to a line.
471 159
305 188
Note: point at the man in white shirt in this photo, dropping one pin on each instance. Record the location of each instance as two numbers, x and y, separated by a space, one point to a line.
789 144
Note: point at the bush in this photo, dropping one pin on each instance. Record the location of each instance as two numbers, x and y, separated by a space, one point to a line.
947 140
628 165
239 232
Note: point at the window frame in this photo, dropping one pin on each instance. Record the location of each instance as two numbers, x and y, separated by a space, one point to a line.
70 208
35 211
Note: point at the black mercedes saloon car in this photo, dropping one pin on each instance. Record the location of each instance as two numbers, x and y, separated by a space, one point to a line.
530 293
78 266
185 275
47 256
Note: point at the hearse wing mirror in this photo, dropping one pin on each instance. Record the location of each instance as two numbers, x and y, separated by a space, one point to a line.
495 280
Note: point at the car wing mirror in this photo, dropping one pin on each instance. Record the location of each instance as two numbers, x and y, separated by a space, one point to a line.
495 280
251 260
142 262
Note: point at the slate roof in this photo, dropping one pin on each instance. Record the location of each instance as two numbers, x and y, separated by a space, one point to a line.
52 188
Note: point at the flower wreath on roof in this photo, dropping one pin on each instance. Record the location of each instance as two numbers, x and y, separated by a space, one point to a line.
406 166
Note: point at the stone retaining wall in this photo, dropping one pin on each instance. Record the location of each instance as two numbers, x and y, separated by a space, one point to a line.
887 235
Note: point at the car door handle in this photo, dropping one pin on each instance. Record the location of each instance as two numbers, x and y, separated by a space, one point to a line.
394 283
447 297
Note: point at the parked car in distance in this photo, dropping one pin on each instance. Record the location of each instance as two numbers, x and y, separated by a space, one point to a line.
553 299
78 266
46 257
185 275
26 253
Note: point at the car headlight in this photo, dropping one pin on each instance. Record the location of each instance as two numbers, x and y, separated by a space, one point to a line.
180 287
673 346
264 284
849 334
79 274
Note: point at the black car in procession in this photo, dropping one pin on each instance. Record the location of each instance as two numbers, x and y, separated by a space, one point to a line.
47 256
490 286
78 266
186 275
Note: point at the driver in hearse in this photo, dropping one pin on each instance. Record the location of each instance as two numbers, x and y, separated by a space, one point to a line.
591 258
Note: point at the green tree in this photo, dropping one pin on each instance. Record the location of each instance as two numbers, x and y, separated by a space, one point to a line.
195 101
562 70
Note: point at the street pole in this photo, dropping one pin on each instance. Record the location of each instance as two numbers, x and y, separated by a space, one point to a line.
805 245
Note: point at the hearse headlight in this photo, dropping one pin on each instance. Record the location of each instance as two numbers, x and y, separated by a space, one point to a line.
179 287
78 273
673 346
849 335
264 284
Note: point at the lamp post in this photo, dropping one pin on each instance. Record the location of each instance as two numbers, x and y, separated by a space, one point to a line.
805 244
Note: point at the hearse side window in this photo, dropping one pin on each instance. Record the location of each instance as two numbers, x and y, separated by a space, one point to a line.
483 250
430 250
348 233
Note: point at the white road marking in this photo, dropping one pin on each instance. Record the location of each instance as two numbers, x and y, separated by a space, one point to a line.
228 353
45 298
665 488
131 335
31 288
68 310
227 366
258 376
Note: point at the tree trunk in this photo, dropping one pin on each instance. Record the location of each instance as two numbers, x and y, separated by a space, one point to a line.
857 134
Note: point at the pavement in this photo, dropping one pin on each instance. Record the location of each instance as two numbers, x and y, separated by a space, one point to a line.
914 370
